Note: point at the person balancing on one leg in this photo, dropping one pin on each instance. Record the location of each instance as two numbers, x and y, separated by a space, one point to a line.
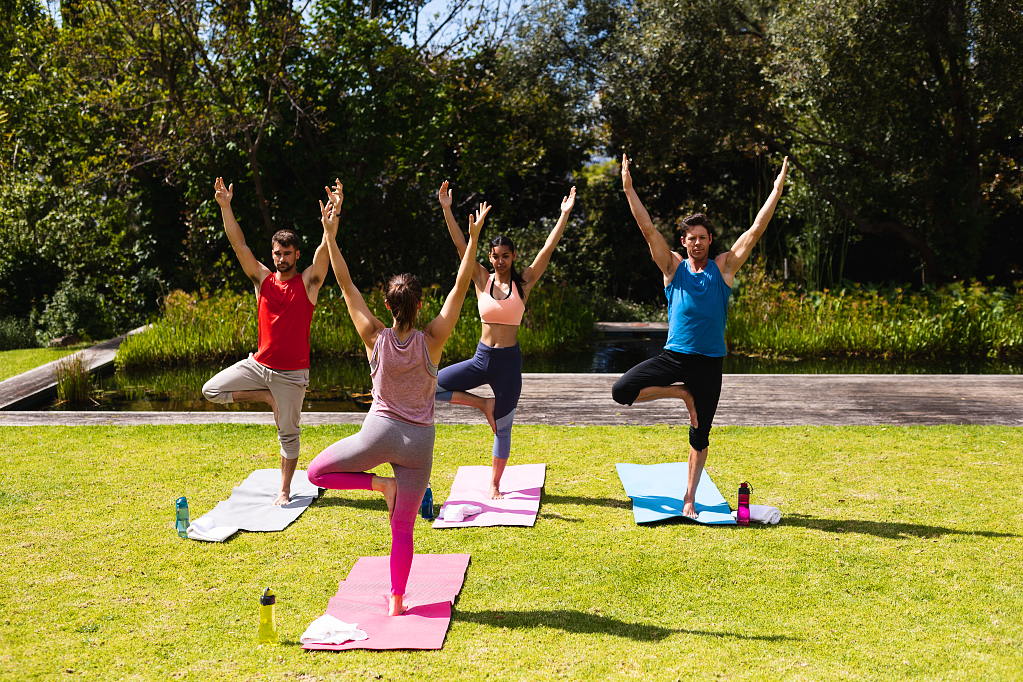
697 289
399 428
502 300
278 372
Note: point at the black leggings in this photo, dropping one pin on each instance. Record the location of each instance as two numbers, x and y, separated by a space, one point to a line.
700 373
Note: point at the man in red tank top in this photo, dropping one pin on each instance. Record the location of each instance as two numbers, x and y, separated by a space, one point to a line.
278 372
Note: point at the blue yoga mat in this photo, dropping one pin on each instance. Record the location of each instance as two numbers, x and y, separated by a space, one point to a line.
657 491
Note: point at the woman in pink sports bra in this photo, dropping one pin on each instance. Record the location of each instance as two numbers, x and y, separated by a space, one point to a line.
502 300
399 428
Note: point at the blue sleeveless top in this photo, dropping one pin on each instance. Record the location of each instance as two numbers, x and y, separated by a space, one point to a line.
697 311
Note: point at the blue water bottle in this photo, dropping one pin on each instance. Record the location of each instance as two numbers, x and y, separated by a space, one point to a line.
181 523
427 507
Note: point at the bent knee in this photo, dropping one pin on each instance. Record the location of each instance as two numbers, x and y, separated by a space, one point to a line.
215 394
623 394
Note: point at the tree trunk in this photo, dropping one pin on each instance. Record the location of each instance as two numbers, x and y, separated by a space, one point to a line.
257 180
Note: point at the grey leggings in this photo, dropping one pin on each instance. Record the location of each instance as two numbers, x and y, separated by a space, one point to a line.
409 451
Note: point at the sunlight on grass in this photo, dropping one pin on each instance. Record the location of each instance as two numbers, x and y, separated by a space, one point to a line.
15 362
898 557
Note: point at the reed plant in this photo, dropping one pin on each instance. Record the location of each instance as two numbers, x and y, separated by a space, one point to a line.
768 318
74 383
200 328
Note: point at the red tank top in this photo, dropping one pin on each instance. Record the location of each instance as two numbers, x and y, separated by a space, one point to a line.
285 315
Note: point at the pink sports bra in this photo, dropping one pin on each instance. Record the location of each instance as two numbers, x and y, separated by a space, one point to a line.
505 311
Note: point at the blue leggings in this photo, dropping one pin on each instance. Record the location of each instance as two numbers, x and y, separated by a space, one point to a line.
502 369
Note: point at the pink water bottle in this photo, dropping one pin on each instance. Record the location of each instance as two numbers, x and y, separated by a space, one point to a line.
742 516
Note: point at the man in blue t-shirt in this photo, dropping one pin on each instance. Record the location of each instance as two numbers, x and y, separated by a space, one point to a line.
697 289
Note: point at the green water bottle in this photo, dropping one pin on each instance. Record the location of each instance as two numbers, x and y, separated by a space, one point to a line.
267 618
181 521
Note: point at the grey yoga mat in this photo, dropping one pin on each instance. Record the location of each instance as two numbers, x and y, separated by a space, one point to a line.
251 505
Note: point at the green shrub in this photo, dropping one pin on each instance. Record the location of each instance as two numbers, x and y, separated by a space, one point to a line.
15 333
77 308
608 309
222 328
966 320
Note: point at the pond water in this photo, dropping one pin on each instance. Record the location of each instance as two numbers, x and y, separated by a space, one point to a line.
343 385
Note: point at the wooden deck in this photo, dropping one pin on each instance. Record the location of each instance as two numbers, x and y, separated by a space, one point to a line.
746 400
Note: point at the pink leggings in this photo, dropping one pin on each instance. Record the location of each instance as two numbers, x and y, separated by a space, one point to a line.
409 451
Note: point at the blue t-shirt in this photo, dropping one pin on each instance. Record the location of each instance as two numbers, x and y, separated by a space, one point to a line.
697 311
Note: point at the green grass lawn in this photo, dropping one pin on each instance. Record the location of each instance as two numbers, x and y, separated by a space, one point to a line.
899 557
14 362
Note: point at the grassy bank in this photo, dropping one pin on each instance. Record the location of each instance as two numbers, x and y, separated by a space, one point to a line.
895 560
220 328
956 320
14 362
764 318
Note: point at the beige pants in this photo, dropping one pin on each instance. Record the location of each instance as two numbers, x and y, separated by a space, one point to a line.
287 386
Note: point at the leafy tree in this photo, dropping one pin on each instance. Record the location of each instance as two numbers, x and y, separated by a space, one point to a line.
897 112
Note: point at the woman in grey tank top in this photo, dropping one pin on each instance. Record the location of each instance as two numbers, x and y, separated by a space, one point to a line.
397 431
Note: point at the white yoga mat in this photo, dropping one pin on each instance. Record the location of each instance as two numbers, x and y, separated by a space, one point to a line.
251 505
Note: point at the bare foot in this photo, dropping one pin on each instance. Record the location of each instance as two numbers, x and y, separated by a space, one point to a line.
689 510
495 492
488 412
395 607
687 398
387 486
283 498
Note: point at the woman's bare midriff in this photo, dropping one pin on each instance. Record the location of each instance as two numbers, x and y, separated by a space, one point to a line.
499 335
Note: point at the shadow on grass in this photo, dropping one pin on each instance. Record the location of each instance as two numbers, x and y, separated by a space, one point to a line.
368 503
587 623
597 501
881 529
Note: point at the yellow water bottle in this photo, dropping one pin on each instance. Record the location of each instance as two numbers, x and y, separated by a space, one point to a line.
267 618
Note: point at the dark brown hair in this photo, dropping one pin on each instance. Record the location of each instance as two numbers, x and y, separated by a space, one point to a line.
501 240
286 238
404 294
691 221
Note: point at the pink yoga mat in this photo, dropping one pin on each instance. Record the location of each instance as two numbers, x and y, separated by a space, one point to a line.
433 584
521 485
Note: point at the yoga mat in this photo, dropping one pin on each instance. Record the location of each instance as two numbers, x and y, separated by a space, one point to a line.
521 485
657 491
433 584
251 505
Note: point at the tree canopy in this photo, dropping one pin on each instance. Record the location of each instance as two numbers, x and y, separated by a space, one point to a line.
902 120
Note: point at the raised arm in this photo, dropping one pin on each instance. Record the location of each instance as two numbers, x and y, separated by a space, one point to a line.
534 272
730 261
255 270
438 331
366 324
479 273
659 249
313 276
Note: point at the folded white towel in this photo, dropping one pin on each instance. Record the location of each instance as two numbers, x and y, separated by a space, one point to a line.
204 528
330 630
763 513
456 513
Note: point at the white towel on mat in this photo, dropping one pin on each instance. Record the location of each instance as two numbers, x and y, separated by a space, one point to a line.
329 630
455 513
763 513
205 528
